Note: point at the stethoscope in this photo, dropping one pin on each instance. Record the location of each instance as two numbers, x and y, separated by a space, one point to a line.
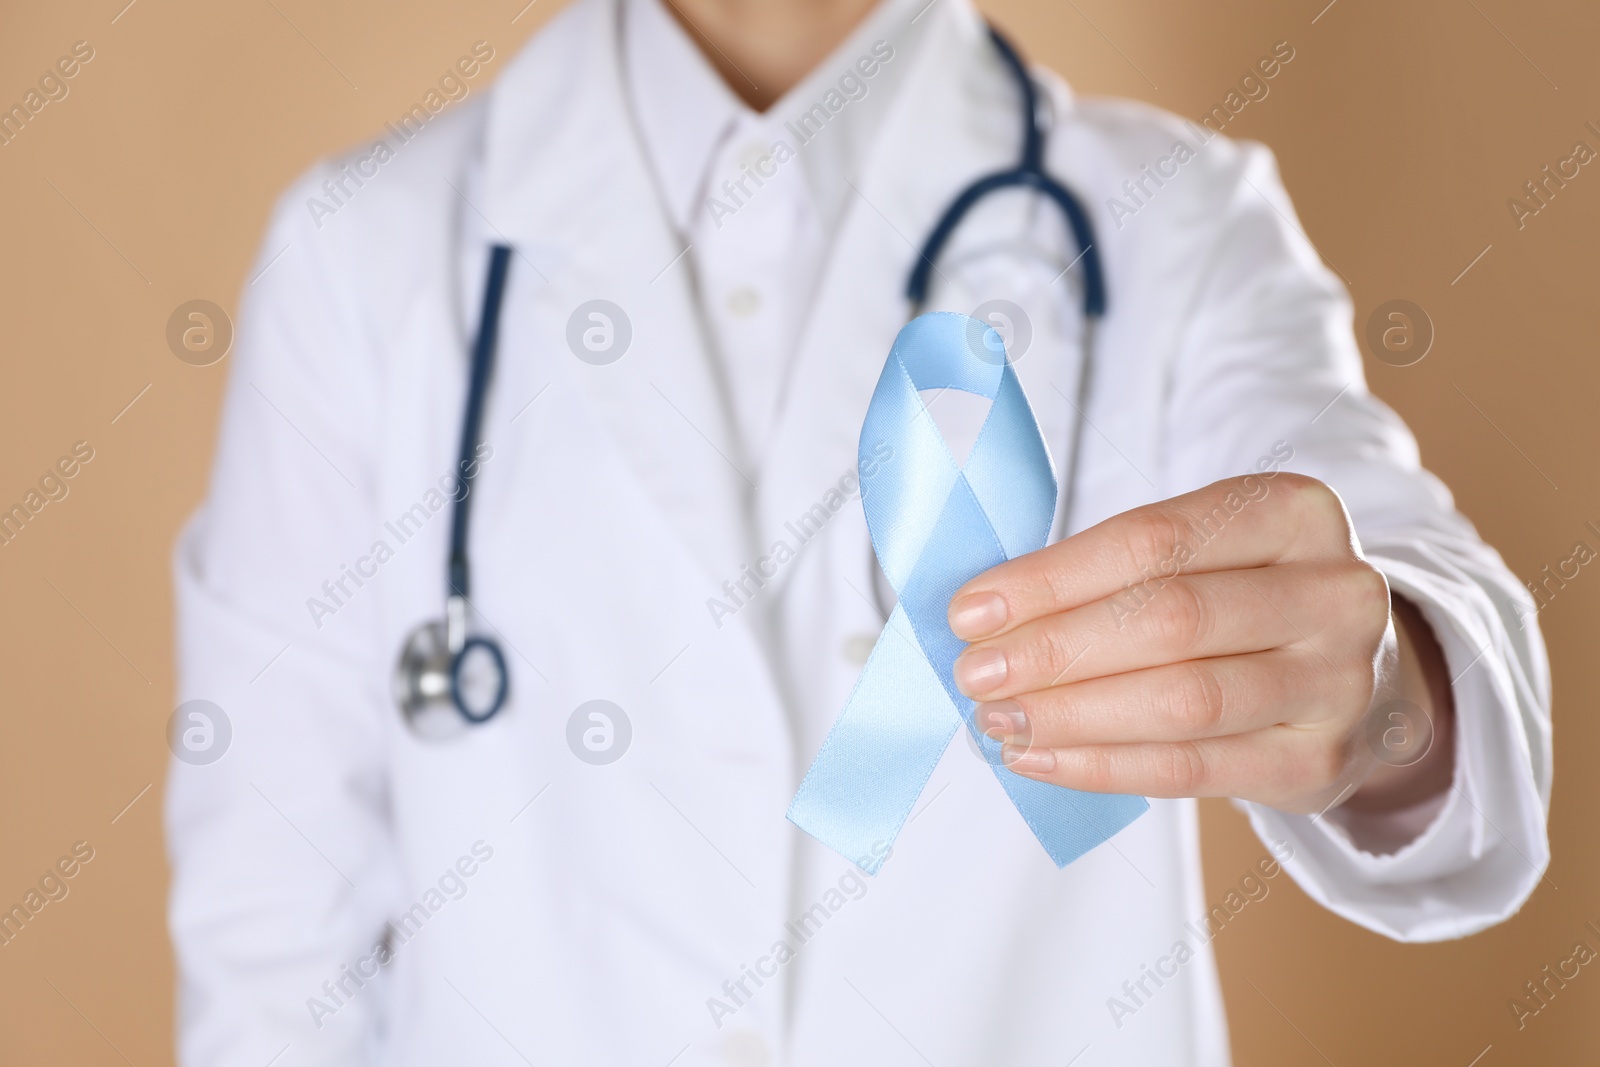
446 677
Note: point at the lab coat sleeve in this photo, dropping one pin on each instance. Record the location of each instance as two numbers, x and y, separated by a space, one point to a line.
1270 361
280 849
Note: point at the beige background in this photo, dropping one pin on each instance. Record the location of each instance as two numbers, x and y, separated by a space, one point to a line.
1401 129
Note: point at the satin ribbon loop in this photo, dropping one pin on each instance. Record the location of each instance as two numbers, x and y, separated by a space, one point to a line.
935 525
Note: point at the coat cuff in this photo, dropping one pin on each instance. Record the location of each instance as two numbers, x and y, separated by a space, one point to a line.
1465 859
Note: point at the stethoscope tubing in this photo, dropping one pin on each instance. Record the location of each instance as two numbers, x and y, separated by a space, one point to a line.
483 352
1029 173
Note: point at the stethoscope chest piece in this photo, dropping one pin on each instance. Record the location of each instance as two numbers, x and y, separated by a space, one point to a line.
442 691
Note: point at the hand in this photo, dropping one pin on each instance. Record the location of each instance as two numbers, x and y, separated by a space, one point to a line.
1228 642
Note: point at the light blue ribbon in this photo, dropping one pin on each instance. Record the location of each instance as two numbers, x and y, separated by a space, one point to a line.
934 527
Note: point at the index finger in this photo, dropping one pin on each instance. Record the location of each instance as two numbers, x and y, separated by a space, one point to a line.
1237 523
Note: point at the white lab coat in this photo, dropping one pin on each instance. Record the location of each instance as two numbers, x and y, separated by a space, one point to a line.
599 914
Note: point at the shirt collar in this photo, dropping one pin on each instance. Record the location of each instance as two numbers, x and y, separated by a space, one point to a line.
685 113
683 109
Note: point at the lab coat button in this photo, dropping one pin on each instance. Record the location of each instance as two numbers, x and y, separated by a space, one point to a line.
744 302
857 647
745 1048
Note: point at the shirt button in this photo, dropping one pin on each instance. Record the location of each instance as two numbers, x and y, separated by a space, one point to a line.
745 1048
857 647
753 155
744 302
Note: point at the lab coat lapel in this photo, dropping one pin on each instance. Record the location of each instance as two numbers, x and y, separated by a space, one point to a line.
565 171
931 146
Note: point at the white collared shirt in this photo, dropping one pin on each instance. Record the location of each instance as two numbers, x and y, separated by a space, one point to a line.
756 197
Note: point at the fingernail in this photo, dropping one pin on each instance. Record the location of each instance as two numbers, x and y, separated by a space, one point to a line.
1003 719
1025 760
977 615
978 670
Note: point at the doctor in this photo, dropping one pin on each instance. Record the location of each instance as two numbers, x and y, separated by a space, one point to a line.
712 209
